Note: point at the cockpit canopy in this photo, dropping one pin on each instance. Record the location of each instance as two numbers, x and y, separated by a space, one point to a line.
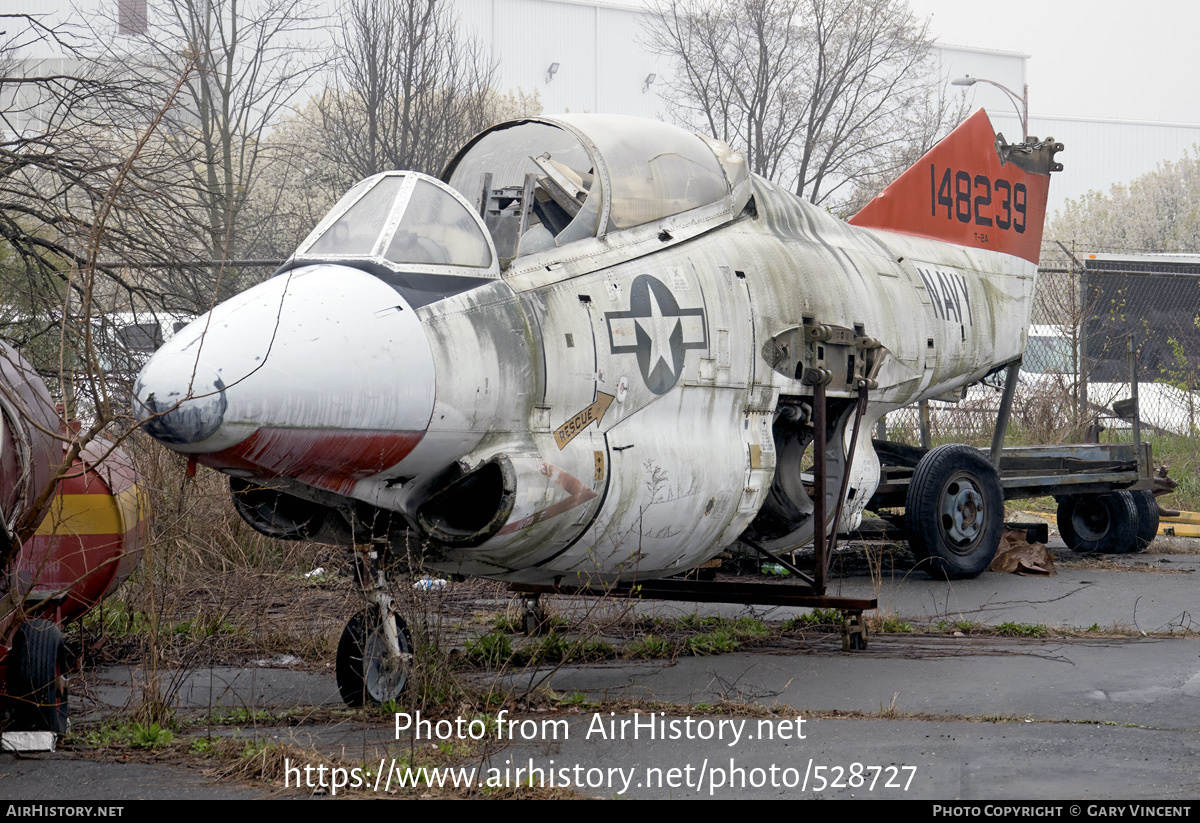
403 220
545 182
517 189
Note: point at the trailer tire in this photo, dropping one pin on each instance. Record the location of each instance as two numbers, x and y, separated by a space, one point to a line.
954 512
1147 512
37 693
1105 523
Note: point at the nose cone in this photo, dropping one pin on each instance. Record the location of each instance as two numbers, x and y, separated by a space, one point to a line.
323 369
186 413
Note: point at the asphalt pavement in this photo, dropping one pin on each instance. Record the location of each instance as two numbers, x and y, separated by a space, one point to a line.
1107 707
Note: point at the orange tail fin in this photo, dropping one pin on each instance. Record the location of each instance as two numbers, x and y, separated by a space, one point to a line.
971 189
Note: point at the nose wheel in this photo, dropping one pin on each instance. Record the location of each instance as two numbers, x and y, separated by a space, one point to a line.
374 657
375 652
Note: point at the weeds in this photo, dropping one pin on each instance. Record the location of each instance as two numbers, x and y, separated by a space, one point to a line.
1022 630
894 625
490 651
577 700
114 734
149 737
814 619
240 716
961 625
650 647
720 641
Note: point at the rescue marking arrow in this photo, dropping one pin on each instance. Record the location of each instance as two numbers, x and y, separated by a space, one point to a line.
594 413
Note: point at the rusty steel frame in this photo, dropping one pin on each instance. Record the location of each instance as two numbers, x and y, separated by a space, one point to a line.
704 591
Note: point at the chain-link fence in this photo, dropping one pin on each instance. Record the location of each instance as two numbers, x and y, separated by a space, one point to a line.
1088 309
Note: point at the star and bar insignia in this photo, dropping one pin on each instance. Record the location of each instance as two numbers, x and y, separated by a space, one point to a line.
658 331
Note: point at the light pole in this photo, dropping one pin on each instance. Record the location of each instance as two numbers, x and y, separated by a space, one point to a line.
1020 101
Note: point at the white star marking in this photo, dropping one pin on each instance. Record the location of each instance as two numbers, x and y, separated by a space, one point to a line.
659 329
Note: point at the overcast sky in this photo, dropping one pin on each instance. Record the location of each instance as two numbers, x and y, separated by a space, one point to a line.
1089 58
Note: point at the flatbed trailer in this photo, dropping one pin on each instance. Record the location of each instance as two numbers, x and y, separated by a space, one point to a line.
1032 471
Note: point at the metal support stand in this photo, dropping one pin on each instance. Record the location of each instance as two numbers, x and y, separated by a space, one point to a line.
1002 417
859 411
819 474
1137 409
533 616
923 414
854 632
791 567
809 594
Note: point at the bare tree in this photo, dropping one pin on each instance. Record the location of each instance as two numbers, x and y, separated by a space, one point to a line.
819 94
77 129
931 119
410 89
303 178
77 205
251 59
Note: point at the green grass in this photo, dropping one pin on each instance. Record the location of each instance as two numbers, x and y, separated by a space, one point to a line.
577 700
894 625
202 746
650 647
240 716
554 648
719 641
118 621
150 736
815 618
493 649
1022 630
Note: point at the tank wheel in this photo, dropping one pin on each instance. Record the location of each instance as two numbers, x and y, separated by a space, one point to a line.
366 672
954 512
1099 522
1147 513
37 687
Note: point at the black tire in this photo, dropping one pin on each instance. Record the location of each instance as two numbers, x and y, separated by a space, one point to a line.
1099 522
1147 512
37 694
364 675
954 512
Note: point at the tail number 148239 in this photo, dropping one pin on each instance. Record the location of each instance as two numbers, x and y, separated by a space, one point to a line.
978 199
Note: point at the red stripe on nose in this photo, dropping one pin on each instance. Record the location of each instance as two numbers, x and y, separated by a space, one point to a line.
331 460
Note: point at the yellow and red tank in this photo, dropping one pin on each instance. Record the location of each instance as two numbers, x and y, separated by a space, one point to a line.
91 539
92 534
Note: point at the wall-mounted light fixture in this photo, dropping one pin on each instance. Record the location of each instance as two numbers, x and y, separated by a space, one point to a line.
649 82
550 72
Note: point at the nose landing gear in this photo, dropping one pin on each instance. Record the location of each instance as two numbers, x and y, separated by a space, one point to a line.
375 653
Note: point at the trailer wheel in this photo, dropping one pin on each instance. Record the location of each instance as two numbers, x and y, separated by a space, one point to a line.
954 512
1147 514
366 673
37 689
1099 522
